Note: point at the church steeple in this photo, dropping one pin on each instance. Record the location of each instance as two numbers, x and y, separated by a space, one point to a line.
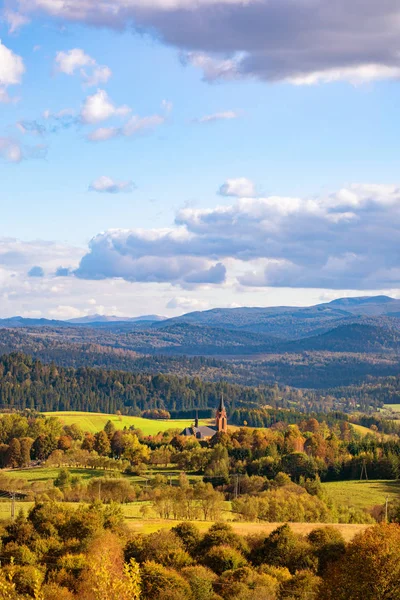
221 420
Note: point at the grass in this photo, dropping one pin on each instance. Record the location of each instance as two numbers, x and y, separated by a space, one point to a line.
94 422
140 525
362 430
362 494
393 407
243 528
50 473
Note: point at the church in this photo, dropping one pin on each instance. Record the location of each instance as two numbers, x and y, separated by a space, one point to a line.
204 432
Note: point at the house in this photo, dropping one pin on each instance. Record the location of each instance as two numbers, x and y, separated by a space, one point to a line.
205 432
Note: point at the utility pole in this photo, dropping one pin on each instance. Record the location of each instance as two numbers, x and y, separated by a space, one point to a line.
99 491
364 471
386 508
236 492
13 506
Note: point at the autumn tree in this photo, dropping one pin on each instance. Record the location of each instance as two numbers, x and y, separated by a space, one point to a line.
369 569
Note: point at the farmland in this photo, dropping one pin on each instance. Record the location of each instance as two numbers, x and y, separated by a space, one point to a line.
362 494
94 422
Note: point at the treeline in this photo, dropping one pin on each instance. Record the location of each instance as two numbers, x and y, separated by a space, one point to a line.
28 383
62 553
266 417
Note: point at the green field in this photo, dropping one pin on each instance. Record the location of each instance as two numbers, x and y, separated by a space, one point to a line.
51 473
394 407
94 422
362 494
361 429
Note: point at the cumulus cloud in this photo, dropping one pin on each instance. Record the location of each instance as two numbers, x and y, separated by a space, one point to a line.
295 41
76 60
11 71
317 242
99 107
117 254
240 187
107 185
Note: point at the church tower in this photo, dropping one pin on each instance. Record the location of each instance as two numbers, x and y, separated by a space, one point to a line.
221 420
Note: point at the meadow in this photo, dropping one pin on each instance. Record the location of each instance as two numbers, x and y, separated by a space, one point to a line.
362 494
393 407
94 422
138 524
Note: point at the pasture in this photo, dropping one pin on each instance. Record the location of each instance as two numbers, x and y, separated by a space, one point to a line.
93 422
393 407
137 524
361 494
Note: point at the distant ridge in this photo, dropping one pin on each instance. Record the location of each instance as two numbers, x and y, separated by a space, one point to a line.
114 319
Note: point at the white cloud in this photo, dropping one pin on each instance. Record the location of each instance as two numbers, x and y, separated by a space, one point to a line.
109 186
186 304
354 75
133 127
65 312
69 62
226 115
240 188
77 60
10 150
11 71
14 20
213 68
99 107
102 134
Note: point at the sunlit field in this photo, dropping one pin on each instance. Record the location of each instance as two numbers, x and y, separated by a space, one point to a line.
362 494
94 422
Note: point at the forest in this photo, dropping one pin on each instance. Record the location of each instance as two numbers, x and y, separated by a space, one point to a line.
28 383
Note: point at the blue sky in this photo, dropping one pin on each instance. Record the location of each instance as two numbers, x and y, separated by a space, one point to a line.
240 168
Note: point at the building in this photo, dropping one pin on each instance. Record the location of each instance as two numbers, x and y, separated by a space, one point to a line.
204 432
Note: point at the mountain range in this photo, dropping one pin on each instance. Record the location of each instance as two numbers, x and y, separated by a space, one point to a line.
364 324
343 342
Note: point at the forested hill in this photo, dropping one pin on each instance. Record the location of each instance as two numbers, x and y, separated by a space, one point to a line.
28 383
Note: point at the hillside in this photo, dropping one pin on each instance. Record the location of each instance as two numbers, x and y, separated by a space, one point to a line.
351 338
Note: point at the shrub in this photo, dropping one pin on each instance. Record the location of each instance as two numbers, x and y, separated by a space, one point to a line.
224 558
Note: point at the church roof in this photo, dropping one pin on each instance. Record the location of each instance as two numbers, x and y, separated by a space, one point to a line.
200 432
221 406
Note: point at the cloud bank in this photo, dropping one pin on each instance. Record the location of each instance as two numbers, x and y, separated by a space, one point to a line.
296 41
345 240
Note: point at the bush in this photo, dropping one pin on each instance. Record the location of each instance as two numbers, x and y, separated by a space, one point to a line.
224 558
160 583
201 581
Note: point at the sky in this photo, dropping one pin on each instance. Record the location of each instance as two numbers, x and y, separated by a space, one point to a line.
165 156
